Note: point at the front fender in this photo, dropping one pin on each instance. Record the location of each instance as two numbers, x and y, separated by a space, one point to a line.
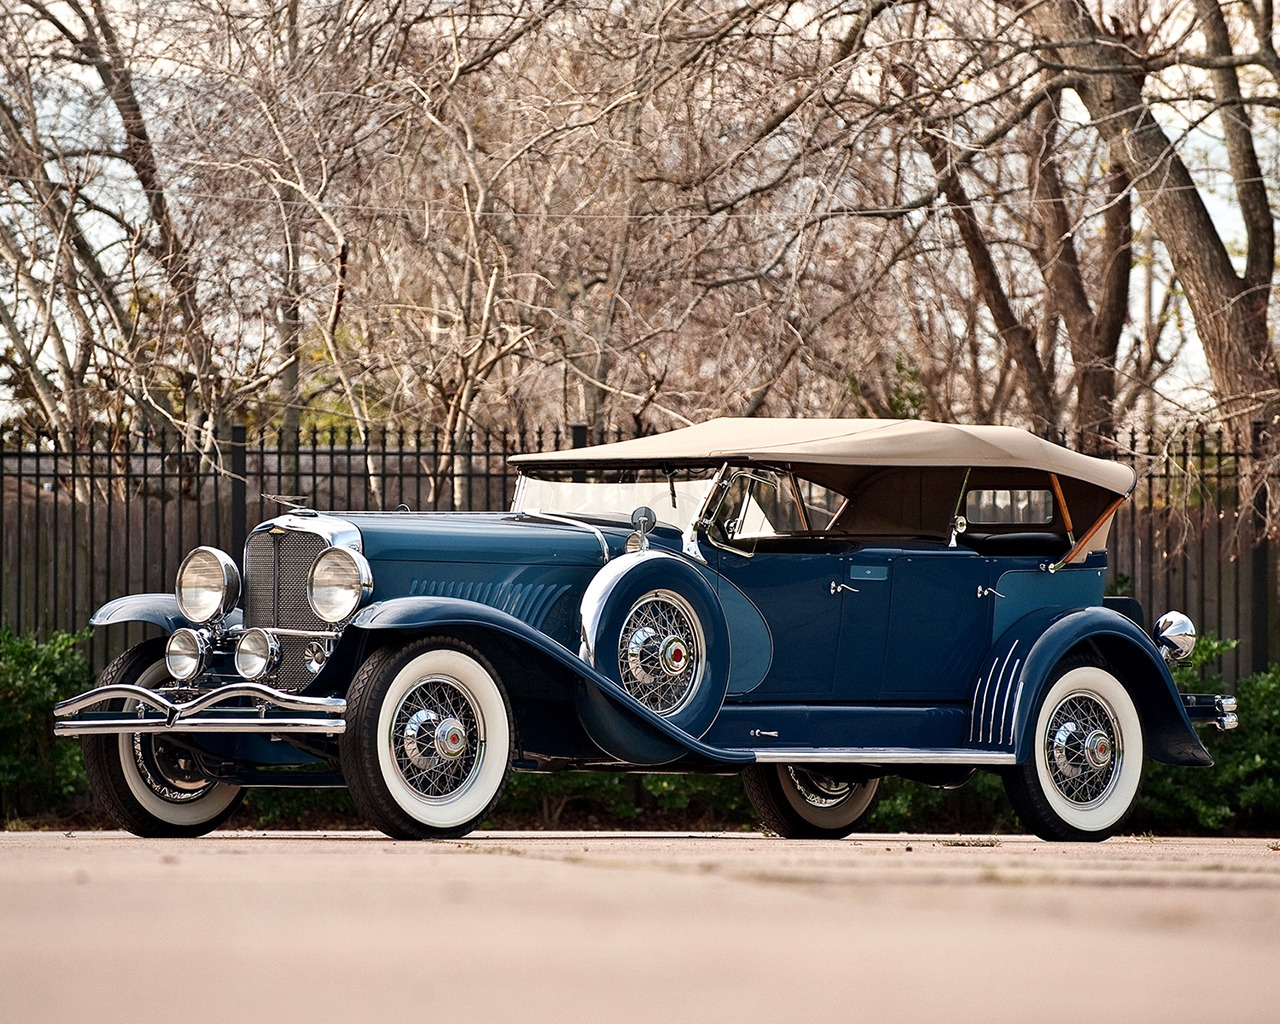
417 613
158 609
1014 676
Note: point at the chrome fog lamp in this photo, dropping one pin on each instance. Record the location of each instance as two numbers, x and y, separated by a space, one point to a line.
185 653
257 653
340 582
1175 635
208 585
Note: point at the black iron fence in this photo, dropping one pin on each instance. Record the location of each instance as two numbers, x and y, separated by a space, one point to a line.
79 528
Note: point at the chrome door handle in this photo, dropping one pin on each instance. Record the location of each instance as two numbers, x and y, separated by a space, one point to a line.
837 587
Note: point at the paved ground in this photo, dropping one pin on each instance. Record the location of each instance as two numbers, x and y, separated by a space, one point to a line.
283 927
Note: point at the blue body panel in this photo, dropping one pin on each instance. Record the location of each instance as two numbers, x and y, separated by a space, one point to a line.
800 725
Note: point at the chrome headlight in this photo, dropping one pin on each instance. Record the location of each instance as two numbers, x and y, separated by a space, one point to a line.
208 585
185 653
257 653
340 582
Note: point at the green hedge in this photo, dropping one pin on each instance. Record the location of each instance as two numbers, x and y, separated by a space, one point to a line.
38 775
42 780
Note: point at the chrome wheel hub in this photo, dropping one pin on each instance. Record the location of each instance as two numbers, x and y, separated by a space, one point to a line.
674 655
451 738
1083 749
1097 749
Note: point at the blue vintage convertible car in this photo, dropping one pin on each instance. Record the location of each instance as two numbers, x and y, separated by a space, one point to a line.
814 604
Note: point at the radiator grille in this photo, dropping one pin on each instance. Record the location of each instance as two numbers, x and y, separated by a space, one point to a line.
275 575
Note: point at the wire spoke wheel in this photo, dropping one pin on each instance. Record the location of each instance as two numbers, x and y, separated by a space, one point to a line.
1083 749
662 652
437 738
1086 759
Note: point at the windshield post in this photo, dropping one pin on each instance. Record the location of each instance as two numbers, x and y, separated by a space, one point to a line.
689 539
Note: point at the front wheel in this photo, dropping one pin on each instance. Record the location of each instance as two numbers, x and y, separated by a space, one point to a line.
429 739
804 803
149 785
1086 762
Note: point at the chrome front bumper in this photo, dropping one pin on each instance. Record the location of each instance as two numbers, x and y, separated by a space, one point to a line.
274 712
1211 707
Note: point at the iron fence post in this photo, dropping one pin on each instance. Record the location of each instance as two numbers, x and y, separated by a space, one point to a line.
239 500
1262 581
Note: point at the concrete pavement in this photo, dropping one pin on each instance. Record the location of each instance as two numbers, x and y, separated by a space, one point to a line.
600 927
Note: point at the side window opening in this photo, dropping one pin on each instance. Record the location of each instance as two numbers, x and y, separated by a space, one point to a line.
1006 506
765 503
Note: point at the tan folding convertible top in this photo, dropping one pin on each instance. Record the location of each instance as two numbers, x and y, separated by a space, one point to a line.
851 442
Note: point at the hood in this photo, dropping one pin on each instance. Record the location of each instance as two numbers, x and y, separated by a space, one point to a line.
482 537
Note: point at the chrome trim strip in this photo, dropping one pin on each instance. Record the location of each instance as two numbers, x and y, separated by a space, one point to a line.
1004 715
882 755
1004 667
1017 702
534 513
331 726
310 634
979 711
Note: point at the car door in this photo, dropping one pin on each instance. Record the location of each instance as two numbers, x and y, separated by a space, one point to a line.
939 624
760 546
865 591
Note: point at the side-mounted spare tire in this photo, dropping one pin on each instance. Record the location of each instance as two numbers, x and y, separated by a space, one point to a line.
653 625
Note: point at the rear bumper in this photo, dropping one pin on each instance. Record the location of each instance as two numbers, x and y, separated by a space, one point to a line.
1217 708
269 711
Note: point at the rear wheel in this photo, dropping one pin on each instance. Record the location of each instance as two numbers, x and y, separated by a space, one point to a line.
805 803
429 739
148 784
1086 762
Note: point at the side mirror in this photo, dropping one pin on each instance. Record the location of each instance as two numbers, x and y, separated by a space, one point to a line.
643 520
958 525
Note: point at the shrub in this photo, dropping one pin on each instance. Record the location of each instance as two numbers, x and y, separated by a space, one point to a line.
1241 793
38 775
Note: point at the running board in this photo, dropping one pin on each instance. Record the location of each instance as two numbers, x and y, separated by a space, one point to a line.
884 755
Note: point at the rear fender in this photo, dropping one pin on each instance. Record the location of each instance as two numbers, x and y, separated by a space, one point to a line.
1015 675
649 738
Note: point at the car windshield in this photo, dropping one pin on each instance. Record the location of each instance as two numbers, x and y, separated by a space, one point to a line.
676 500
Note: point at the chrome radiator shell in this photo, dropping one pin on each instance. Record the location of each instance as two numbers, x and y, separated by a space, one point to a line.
277 561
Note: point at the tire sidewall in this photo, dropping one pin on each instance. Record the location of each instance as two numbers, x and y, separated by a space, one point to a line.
187 813
695 714
1102 685
494 729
